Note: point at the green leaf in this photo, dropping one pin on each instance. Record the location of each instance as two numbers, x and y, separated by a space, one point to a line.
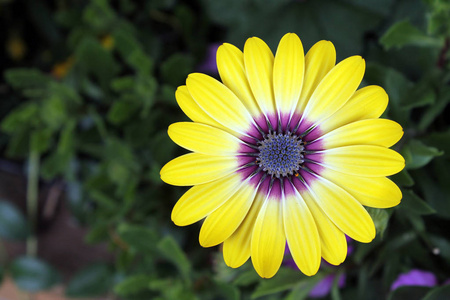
404 33
434 186
408 293
96 60
145 89
123 84
380 218
421 94
54 112
226 290
176 68
32 274
105 201
440 140
99 15
396 86
247 278
434 111
403 179
132 52
13 225
285 279
170 249
417 154
122 110
132 284
66 142
140 238
27 79
438 293
65 92
91 281
438 17
302 288
41 140
414 204
59 161
19 143
172 288
98 232
26 115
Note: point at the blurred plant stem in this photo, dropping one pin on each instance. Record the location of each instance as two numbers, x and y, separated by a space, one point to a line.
32 201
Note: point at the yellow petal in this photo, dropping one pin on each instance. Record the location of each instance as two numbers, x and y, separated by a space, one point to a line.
335 89
258 60
219 102
301 234
378 132
203 138
379 192
192 110
363 160
200 200
268 239
367 103
222 222
196 168
345 212
230 62
288 71
332 239
237 248
319 60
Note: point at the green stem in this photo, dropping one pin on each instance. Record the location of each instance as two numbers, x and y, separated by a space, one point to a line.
32 201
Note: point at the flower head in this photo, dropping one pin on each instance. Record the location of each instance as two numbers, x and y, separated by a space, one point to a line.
285 149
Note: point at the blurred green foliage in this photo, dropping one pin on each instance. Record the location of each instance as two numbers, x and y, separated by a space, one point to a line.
93 97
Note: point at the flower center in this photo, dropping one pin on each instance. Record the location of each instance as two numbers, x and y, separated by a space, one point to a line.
281 154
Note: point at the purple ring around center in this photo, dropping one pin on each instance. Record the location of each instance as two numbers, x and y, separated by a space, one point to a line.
307 172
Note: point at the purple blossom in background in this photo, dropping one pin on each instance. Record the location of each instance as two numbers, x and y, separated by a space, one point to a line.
209 65
323 287
415 277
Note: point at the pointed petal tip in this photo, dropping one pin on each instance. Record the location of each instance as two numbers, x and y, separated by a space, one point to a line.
336 261
175 217
310 272
225 47
366 240
325 43
231 263
355 59
180 88
162 174
366 237
310 269
253 39
264 274
192 75
205 242
290 35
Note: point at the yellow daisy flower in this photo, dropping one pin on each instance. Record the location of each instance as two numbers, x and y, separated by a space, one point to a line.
286 149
